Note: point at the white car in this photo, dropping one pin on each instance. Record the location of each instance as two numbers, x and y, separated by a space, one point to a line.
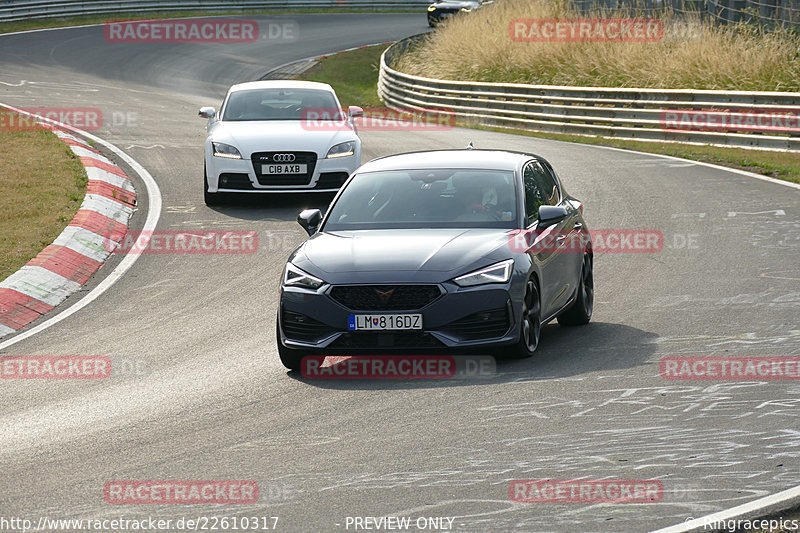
279 136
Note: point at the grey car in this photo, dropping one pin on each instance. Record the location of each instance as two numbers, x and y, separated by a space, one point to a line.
467 251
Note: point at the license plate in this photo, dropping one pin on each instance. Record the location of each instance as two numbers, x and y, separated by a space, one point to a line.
384 322
285 169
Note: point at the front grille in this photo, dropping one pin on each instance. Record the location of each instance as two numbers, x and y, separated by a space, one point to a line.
235 181
267 158
482 325
370 340
299 327
331 180
385 297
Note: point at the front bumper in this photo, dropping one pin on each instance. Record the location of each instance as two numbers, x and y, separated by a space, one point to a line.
473 319
239 176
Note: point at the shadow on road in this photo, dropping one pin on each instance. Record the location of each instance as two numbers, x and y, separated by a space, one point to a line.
563 352
271 207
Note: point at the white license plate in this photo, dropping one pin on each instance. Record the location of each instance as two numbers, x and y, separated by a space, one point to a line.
384 322
285 169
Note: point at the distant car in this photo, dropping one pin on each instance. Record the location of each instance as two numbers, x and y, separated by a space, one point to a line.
439 11
438 251
262 140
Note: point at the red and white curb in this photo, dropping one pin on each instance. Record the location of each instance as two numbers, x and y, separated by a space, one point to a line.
64 266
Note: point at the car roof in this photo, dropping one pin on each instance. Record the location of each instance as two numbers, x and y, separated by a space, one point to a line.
462 158
280 84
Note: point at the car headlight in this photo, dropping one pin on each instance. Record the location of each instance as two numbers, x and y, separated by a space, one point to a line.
431 8
466 9
294 277
342 150
226 151
496 273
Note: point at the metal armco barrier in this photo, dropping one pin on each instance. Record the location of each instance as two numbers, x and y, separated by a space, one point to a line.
12 10
624 113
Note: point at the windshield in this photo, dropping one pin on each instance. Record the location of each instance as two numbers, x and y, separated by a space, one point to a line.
442 198
276 104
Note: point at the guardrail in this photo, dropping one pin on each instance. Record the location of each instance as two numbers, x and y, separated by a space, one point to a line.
13 10
624 113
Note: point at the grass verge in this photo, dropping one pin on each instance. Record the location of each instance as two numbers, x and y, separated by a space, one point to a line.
491 45
36 24
42 185
354 76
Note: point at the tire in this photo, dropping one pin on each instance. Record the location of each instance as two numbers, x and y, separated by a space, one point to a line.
291 359
580 312
210 198
530 326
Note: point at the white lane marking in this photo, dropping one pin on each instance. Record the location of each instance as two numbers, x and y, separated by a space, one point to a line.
181 208
688 215
709 165
50 85
776 212
153 214
144 147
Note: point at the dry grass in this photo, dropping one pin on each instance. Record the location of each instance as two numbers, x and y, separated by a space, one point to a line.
42 184
690 55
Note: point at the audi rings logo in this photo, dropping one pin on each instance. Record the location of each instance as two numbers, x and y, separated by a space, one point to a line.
283 158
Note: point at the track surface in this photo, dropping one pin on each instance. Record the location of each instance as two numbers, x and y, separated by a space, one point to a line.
212 401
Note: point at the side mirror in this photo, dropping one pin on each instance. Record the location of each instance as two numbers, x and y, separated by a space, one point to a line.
310 219
551 214
355 111
207 112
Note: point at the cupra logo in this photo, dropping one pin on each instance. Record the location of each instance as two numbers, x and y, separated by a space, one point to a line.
384 295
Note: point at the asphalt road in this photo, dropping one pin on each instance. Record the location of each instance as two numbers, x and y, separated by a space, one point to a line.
209 399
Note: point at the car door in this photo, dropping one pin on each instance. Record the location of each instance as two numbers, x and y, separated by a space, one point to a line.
551 249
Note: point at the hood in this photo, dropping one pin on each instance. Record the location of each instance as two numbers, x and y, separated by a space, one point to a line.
278 135
441 253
